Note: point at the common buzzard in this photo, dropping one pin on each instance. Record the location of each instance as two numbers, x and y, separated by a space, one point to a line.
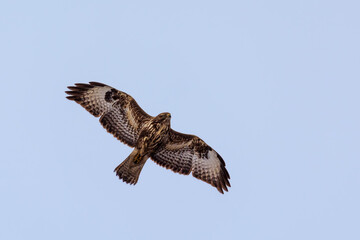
151 137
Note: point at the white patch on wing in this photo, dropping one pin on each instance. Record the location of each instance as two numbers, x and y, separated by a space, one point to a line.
207 165
97 97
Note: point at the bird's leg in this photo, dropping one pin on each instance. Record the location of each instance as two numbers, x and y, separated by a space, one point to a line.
137 158
139 155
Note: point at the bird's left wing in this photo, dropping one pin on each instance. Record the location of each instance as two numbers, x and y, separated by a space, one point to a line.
119 113
188 153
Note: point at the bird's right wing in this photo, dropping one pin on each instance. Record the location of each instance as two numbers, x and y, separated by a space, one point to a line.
119 113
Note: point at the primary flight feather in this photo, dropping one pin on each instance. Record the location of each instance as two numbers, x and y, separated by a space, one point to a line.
151 137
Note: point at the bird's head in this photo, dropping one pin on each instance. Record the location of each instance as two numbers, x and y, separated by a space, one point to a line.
163 118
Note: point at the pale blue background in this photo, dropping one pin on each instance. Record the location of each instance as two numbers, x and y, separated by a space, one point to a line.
273 86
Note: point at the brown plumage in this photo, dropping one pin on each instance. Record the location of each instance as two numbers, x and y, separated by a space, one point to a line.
151 137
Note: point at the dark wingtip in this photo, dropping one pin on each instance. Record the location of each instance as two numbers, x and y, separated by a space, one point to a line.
74 93
70 97
227 183
77 90
219 188
97 84
83 85
223 182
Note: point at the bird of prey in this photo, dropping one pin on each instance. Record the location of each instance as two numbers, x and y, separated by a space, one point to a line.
151 137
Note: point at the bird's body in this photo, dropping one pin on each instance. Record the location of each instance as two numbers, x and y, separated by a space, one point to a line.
154 133
151 137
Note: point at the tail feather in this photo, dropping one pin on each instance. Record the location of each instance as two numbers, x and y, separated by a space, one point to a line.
129 170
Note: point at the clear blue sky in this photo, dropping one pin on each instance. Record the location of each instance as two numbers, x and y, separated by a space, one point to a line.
273 86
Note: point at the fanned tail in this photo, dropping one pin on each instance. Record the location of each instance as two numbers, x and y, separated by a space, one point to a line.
129 170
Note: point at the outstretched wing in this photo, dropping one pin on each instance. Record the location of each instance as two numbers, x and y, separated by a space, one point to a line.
188 153
119 113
